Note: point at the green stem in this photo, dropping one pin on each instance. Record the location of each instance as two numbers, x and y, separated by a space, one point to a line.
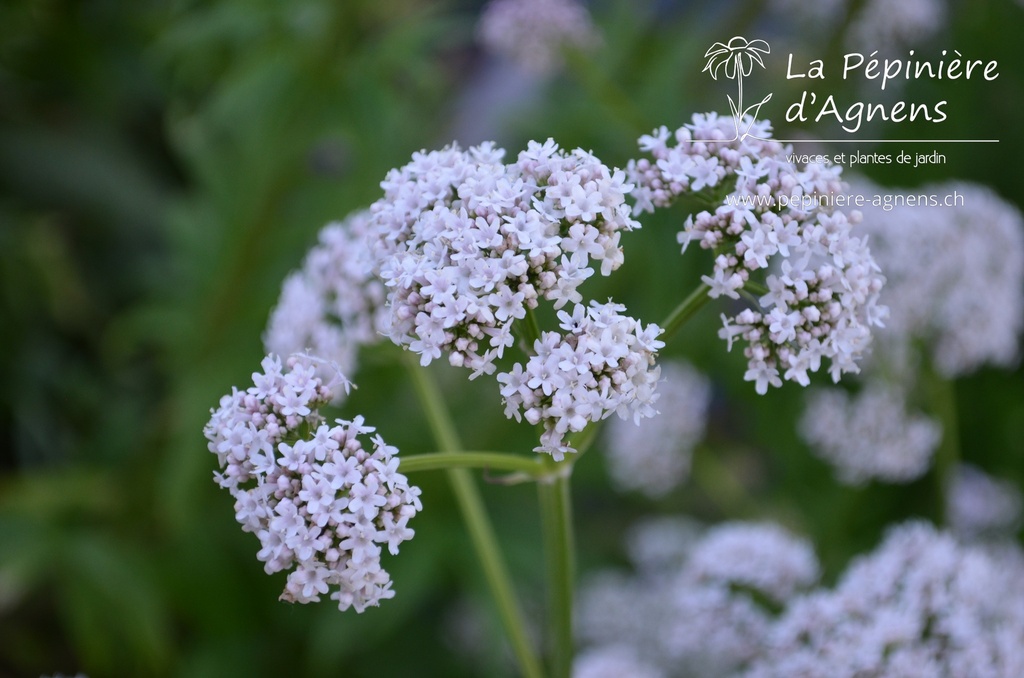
685 310
495 461
556 520
582 440
746 294
478 524
756 288
942 394
530 329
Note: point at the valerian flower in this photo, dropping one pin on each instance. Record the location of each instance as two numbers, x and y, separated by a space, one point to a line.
323 499
765 217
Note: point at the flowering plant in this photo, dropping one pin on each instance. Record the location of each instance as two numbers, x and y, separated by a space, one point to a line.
466 248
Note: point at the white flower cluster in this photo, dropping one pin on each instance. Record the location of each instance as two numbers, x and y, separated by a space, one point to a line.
920 605
822 297
884 25
705 616
467 245
978 505
758 556
653 456
893 25
603 364
334 304
316 498
961 291
532 33
869 435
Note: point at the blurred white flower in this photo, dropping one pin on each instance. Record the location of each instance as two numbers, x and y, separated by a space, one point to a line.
920 605
978 505
955 276
613 661
533 33
891 26
888 26
759 556
653 455
333 304
709 614
869 435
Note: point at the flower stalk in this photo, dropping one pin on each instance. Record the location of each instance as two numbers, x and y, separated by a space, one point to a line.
686 309
559 547
941 393
491 461
478 524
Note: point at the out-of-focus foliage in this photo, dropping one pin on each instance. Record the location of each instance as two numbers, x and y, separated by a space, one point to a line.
164 165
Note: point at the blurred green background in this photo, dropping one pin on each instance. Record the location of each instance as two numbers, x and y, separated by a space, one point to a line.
163 165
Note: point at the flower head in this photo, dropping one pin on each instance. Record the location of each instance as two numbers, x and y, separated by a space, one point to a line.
468 246
870 435
320 498
921 604
533 32
955 277
979 505
334 304
603 364
704 611
822 283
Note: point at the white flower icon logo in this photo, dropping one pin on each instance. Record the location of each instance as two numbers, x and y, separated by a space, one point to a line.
736 60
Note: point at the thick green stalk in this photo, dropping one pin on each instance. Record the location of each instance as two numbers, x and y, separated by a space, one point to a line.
941 393
685 310
478 524
528 331
494 461
556 521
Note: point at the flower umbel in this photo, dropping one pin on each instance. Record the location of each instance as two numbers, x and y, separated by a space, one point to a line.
705 611
960 295
870 435
921 604
333 304
468 245
319 498
604 363
533 32
822 283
